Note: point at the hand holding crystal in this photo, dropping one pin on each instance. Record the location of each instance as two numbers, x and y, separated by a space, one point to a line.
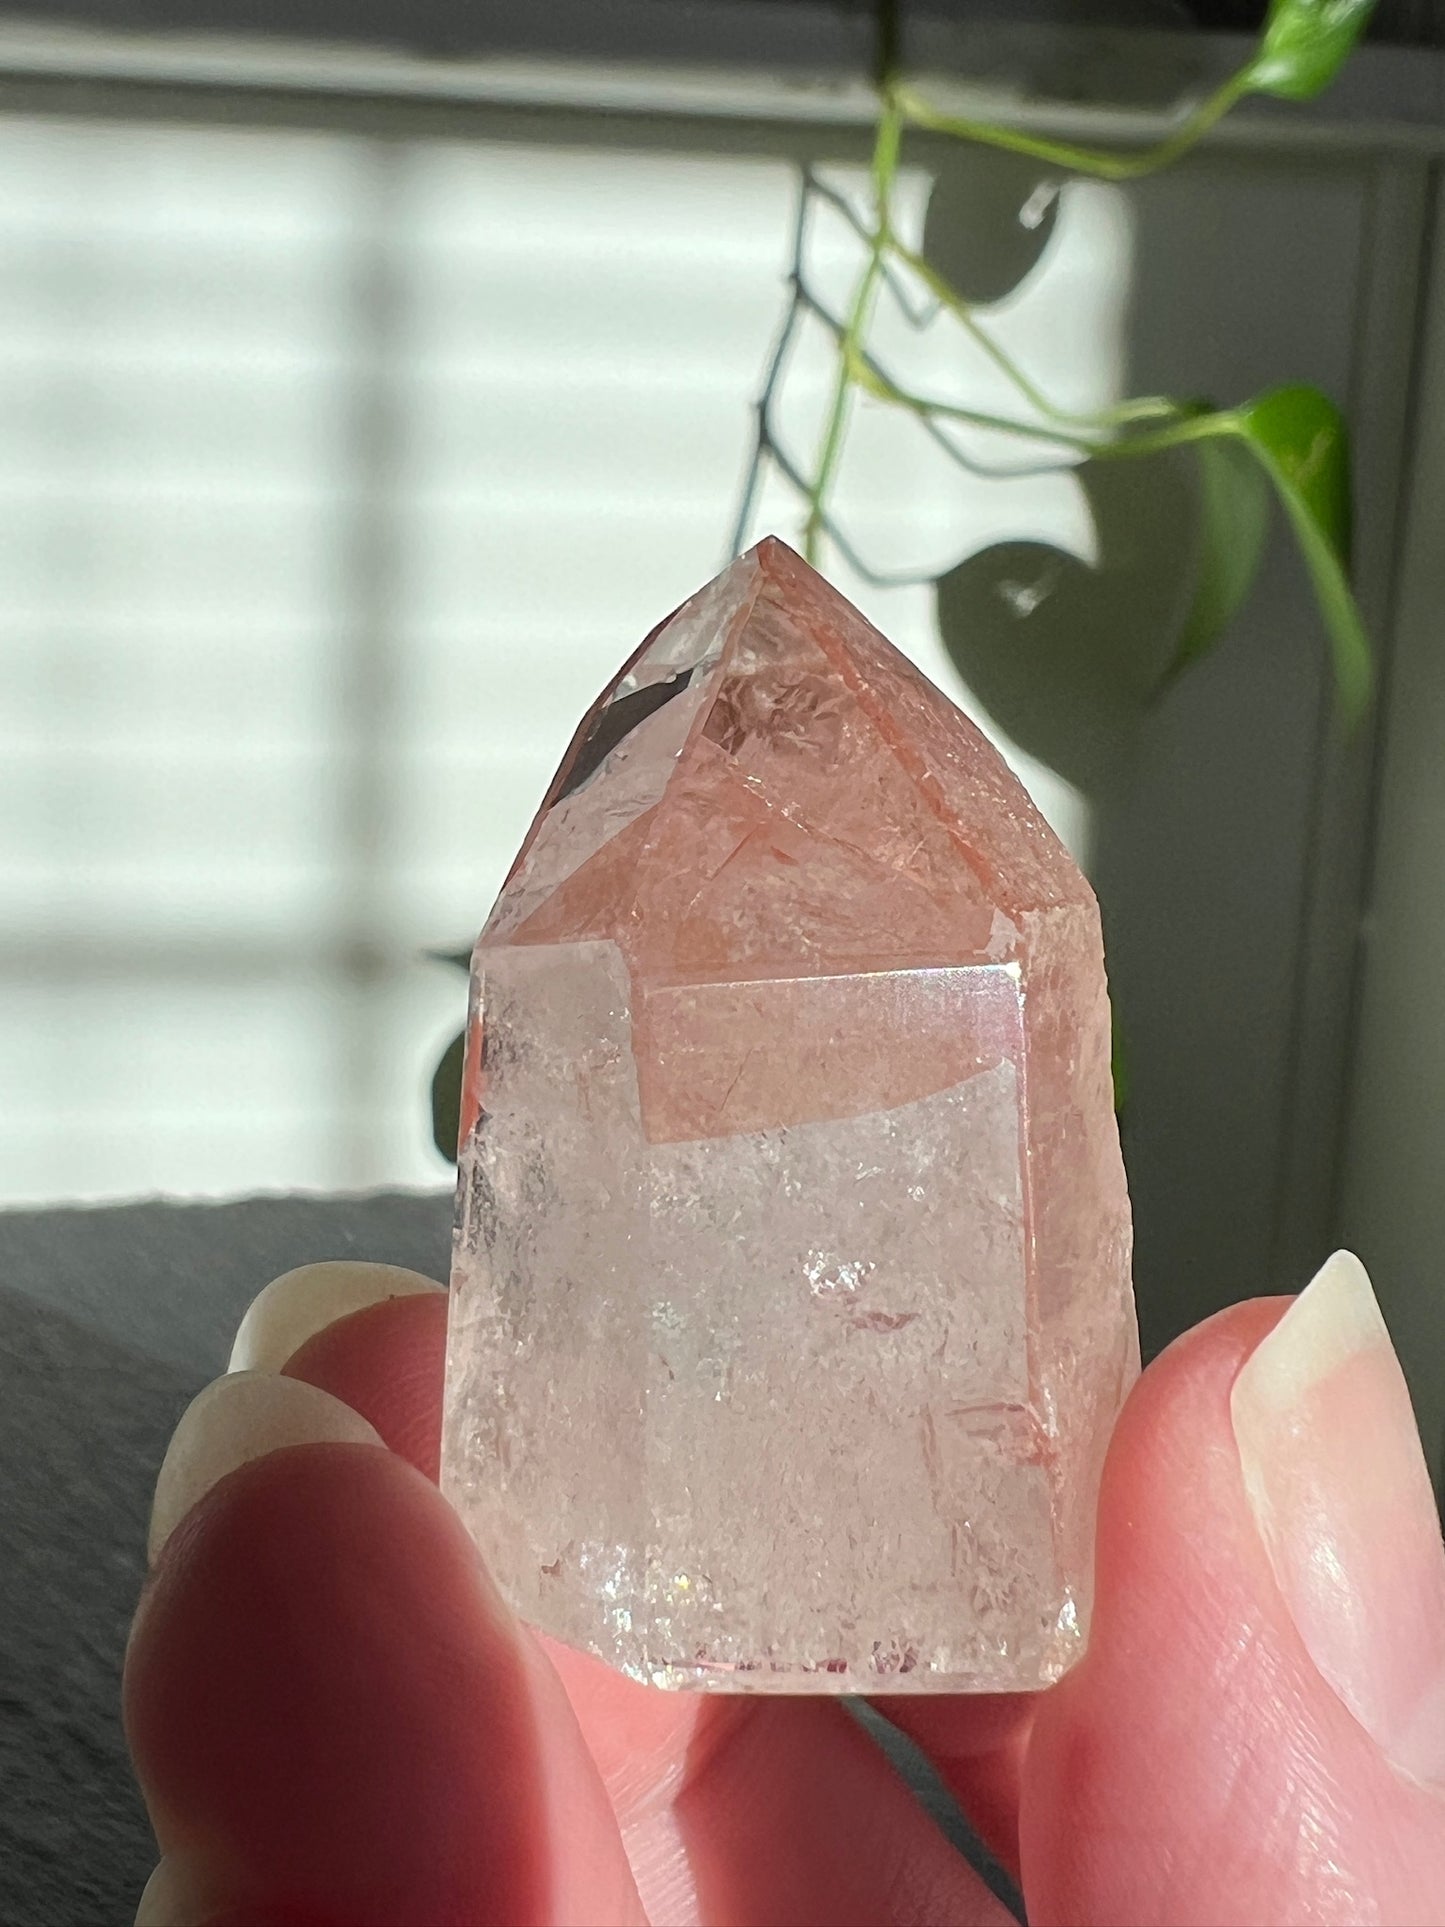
336 1719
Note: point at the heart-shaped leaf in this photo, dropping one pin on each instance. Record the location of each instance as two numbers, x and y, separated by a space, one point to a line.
1298 436
1233 519
1304 45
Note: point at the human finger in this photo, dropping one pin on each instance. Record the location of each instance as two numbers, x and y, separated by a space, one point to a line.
333 1715
1257 1732
730 1807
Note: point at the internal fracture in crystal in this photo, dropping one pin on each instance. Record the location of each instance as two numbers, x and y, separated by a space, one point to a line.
791 1306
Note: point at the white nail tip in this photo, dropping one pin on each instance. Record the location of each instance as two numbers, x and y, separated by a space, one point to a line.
1335 1317
169 1899
234 1420
300 1303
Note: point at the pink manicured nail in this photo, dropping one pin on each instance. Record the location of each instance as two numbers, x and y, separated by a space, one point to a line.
1340 1492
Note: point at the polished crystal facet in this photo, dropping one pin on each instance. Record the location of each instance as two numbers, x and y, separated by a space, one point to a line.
791 1305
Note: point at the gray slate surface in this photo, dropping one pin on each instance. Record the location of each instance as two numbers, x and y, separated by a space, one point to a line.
110 1321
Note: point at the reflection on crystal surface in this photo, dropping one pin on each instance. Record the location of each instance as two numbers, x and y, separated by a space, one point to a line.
791 1304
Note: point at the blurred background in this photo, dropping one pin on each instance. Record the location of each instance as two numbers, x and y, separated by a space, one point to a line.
372 378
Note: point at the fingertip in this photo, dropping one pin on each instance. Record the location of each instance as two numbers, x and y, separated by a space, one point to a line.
235 1419
387 1361
1195 1765
300 1303
1170 1462
330 1708
326 1697
174 1896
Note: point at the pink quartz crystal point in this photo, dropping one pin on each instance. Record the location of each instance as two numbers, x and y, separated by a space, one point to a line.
791 1306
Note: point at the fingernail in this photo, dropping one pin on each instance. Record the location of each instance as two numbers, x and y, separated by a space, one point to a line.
171 1897
300 1303
235 1419
1338 1486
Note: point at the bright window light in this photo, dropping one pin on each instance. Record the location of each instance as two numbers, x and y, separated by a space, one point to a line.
336 476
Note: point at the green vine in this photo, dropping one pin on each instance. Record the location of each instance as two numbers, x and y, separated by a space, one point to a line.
1291 440
1294 436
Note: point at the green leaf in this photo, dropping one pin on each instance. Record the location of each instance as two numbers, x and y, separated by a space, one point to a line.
1304 45
1299 437
1234 515
446 1098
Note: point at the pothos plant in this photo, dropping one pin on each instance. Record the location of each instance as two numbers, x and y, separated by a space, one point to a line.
1289 443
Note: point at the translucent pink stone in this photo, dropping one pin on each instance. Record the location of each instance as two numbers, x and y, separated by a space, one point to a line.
791 1306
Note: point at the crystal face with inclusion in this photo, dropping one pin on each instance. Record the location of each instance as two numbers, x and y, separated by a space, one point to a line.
791 1306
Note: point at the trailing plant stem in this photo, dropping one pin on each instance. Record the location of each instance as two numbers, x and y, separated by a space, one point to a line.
1142 408
884 169
1078 160
1294 435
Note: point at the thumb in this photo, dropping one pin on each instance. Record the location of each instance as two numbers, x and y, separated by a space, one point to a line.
1258 1730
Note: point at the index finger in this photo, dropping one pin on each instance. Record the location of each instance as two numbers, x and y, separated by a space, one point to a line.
729 1806
333 1715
